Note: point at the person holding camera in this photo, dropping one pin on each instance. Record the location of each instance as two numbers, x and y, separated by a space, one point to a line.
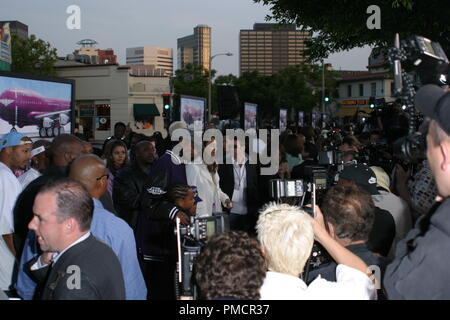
286 234
156 239
350 213
420 268
382 233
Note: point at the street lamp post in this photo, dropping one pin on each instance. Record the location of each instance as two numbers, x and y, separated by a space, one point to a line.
323 88
210 80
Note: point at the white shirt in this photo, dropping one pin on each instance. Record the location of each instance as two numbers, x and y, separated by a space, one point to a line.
399 210
208 188
10 189
28 176
351 284
40 264
240 185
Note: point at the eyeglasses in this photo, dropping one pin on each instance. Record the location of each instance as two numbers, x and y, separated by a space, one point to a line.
105 175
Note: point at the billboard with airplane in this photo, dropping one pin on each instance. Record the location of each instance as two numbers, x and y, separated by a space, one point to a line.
250 116
192 111
35 106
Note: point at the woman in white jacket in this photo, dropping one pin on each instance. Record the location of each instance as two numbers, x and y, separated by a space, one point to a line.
206 179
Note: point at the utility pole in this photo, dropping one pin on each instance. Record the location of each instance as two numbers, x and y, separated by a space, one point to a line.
323 88
210 82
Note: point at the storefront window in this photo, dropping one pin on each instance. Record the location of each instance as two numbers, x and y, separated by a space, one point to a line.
86 114
103 117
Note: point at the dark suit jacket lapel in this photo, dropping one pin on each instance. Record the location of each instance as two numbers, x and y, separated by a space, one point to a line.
59 268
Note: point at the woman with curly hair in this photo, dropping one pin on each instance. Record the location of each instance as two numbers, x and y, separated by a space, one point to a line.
230 267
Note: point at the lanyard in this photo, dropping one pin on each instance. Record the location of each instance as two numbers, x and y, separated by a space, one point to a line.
240 174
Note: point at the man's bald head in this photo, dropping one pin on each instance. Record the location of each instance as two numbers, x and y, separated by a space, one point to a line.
64 149
91 171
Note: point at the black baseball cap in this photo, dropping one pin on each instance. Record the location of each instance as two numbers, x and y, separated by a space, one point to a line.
434 102
363 176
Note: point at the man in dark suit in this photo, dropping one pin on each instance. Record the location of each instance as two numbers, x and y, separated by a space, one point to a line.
239 180
74 264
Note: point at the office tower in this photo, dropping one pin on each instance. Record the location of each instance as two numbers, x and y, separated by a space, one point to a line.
158 57
195 48
270 47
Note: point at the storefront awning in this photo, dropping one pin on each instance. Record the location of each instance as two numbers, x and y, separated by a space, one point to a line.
350 111
142 110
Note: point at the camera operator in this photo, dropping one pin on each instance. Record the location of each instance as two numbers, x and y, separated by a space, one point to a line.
417 189
157 242
286 234
383 230
350 213
420 269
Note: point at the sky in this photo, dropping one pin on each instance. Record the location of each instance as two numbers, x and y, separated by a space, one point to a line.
132 23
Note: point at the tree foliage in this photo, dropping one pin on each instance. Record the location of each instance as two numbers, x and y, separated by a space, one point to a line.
226 80
33 56
192 81
341 24
297 87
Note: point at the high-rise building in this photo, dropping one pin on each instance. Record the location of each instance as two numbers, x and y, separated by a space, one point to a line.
17 28
158 57
195 48
270 47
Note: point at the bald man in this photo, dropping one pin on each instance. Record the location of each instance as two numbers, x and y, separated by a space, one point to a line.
64 149
91 171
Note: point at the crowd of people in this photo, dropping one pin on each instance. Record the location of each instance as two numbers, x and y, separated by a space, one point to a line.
79 222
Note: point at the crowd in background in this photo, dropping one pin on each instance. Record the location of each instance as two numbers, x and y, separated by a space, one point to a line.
135 186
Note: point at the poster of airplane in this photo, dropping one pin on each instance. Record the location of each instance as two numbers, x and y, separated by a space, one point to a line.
35 107
192 111
283 120
250 119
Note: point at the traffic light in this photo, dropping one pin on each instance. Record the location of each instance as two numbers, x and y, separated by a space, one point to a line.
166 101
326 95
167 105
372 102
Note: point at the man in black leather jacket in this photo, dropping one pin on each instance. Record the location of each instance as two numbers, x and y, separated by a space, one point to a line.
129 182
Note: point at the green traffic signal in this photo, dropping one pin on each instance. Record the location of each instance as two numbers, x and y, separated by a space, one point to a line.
327 99
166 107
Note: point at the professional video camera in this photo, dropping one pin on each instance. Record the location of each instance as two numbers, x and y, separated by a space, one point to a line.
285 190
190 240
432 67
